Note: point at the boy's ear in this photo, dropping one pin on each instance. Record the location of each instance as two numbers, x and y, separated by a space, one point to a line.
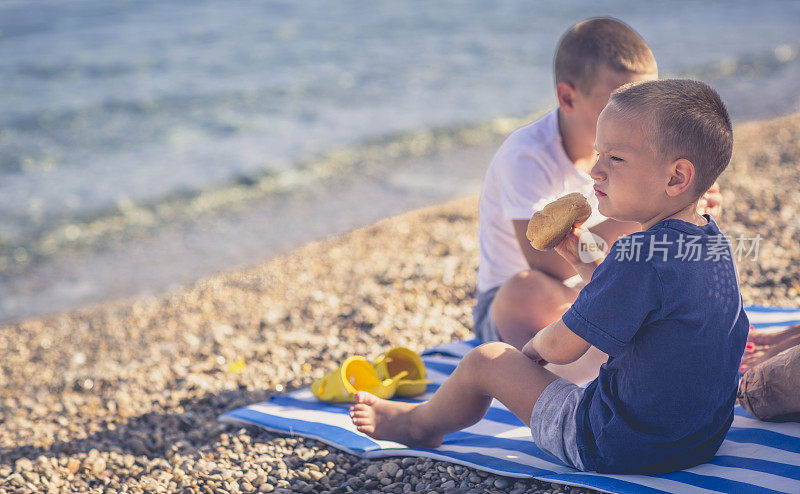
566 95
681 177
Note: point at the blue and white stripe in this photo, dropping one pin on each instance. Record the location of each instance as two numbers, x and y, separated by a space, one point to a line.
755 457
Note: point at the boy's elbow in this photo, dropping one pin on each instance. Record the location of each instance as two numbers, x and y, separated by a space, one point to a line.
562 359
562 355
560 345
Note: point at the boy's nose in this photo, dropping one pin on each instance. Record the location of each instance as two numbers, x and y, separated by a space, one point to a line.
597 173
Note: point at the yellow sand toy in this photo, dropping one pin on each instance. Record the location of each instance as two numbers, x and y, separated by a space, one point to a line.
401 359
398 372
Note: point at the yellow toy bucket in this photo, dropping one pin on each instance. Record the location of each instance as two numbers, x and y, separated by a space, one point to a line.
400 360
355 374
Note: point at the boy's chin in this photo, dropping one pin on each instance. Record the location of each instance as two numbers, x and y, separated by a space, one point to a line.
605 210
613 214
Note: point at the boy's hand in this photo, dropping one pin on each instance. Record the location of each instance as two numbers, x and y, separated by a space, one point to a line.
529 351
568 249
711 201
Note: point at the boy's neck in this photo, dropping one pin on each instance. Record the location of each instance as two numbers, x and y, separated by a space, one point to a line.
578 151
687 213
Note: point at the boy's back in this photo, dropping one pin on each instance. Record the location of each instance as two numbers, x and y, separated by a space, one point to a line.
665 306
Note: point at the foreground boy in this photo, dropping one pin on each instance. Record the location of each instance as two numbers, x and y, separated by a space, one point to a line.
521 290
664 305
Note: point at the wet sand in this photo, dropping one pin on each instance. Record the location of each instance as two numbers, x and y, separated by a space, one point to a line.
125 395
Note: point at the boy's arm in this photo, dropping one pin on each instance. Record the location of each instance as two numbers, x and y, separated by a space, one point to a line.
556 344
549 262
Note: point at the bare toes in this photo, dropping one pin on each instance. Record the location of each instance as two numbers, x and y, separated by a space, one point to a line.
362 420
364 398
366 429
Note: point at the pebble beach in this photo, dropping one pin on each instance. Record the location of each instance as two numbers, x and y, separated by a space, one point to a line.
124 396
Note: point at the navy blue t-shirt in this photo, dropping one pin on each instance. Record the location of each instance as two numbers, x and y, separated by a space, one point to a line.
665 306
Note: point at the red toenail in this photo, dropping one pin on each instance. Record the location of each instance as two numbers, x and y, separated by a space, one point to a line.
749 347
752 328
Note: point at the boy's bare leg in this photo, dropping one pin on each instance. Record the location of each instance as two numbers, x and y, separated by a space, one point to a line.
493 370
530 301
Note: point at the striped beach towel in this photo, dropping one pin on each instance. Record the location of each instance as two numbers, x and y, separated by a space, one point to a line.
756 456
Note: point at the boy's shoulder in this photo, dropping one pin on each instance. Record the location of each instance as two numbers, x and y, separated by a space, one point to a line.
534 148
540 133
672 241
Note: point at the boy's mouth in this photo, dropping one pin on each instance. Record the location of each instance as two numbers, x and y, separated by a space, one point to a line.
598 192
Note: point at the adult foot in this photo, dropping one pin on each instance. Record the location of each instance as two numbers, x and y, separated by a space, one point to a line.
390 421
763 346
772 337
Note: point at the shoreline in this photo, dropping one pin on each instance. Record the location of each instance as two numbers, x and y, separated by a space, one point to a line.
125 395
163 258
139 250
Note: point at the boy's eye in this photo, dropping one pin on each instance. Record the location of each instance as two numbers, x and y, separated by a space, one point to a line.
615 158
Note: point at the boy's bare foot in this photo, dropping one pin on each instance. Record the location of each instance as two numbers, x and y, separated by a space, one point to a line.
391 421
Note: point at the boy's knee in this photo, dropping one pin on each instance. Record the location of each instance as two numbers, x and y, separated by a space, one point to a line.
478 359
527 281
531 287
534 288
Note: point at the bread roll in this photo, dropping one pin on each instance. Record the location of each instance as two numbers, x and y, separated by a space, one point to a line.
548 226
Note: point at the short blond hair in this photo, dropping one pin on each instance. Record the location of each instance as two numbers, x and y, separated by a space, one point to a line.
599 41
688 120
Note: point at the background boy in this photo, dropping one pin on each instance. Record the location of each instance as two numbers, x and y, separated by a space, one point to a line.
669 316
521 290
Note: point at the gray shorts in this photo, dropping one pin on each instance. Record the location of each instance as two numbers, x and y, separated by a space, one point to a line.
553 422
482 323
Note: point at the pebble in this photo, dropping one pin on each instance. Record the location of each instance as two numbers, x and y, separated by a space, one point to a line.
125 396
23 464
390 468
73 465
97 466
501 483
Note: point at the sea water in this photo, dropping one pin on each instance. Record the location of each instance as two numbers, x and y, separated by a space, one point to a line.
120 119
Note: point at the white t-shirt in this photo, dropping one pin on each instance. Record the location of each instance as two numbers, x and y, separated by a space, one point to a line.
530 170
